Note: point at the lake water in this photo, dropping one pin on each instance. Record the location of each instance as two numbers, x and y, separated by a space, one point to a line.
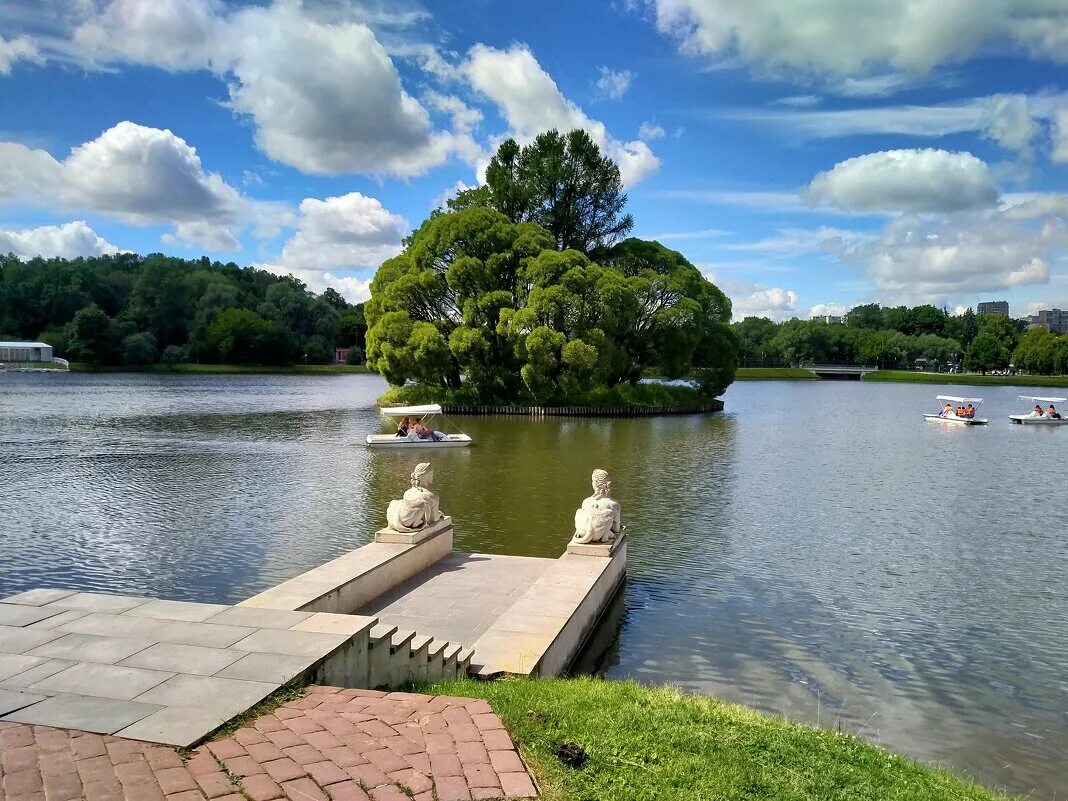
817 550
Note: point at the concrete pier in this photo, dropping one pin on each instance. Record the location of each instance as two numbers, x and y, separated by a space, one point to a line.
396 610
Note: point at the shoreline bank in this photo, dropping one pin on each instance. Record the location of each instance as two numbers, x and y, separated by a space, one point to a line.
969 379
656 742
222 369
906 377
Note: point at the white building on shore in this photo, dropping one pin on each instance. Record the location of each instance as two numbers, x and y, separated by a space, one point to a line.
25 352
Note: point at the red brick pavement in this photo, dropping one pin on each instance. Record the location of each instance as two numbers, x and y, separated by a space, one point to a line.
331 745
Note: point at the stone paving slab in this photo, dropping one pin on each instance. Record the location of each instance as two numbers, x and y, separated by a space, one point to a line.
167 671
459 597
330 745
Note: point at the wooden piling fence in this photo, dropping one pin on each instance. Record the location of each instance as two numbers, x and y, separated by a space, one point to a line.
581 411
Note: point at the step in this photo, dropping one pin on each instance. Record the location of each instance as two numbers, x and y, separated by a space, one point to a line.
379 657
463 662
435 660
449 666
417 668
400 657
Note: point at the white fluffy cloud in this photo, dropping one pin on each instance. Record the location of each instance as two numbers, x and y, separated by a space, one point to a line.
139 175
68 241
351 287
338 236
648 131
21 48
1034 206
934 258
845 37
173 34
1008 121
613 84
323 95
750 299
350 232
1059 152
827 309
531 102
928 260
906 180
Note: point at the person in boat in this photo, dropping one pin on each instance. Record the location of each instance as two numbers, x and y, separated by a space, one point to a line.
1052 413
424 433
1037 411
960 411
969 411
402 429
948 411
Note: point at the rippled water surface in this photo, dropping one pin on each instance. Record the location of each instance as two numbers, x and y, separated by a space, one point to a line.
818 550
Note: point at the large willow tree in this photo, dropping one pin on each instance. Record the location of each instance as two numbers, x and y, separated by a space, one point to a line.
484 299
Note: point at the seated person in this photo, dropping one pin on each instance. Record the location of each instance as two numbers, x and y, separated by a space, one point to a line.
1037 411
402 429
1052 413
969 411
948 411
425 433
960 411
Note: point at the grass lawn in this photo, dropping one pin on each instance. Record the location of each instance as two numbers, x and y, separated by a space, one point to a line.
968 378
774 374
215 369
655 743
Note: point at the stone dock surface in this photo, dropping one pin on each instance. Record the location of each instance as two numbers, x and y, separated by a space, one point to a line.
162 671
333 744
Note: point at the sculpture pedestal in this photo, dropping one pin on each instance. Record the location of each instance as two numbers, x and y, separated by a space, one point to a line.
413 537
597 548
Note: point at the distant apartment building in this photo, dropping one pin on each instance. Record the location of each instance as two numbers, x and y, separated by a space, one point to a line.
830 319
1054 320
992 307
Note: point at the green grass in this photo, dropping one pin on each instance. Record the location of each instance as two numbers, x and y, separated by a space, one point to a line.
289 692
656 743
774 374
968 378
215 369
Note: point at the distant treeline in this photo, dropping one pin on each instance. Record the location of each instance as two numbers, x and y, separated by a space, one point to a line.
130 309
890 337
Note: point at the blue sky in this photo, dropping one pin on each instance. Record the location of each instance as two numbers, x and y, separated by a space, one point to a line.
807 156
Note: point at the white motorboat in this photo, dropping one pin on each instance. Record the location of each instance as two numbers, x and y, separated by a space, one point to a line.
1042 419
951 416
421 414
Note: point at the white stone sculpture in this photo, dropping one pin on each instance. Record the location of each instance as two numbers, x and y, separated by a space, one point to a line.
418 507
597 520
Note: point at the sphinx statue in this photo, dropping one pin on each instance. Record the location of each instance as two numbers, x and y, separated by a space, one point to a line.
597 520
418 507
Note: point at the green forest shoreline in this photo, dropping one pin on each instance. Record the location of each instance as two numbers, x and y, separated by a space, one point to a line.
222 369
907 377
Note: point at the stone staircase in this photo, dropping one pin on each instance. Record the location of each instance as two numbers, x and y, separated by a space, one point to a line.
397 656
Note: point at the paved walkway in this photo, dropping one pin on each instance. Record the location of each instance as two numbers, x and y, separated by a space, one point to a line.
165 671
331 745
459 597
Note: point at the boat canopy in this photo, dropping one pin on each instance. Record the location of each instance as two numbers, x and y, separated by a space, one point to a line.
958 400
411 411
1043 400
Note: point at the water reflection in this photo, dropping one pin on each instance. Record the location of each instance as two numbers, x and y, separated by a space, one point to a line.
898 578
